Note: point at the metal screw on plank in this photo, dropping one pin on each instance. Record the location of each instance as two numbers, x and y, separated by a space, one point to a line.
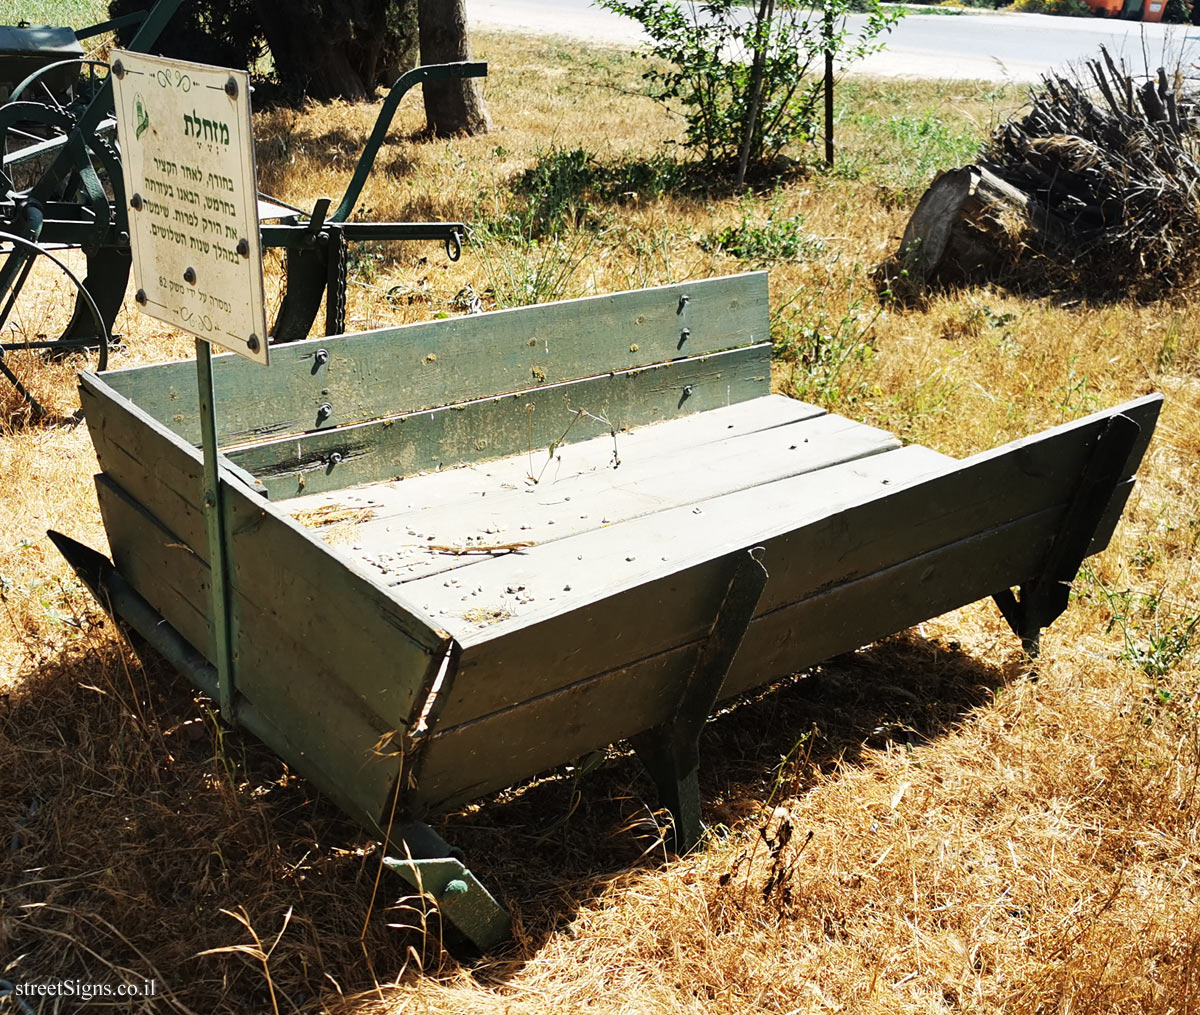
141 297
684 335
118 69
252 343
136 202
243 247
189 275
335 458
324 411
684 300
210 499
687 391
231 87
321 357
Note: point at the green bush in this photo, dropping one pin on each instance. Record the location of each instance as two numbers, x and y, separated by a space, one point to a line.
765 243
1063 8
1178 12
748 77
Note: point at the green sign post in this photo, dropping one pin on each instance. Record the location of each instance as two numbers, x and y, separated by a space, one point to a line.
188 163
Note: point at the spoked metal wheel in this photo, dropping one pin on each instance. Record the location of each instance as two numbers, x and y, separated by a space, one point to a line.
40 309
41 117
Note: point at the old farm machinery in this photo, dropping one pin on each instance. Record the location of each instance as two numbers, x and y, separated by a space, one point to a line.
63 193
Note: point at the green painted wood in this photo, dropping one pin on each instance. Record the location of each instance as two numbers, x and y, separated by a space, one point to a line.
500 426
588 591
383 650
603 498
317 723
380 373
434 492
500 750
495 751
832 527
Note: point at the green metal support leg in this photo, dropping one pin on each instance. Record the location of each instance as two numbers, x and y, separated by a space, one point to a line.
423 858
671 752
1044 597
106 280
436 869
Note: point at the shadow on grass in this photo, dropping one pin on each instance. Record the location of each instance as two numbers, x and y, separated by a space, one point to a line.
553 846
572 188
138 833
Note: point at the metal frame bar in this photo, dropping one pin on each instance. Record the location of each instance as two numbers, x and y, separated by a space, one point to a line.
214 521
671 752
1045 596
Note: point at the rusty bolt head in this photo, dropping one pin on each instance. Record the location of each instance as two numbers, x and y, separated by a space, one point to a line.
231 87
189 275
136 202
141 297
243 247
252 343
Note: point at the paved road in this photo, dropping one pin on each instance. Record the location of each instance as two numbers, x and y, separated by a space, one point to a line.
994 47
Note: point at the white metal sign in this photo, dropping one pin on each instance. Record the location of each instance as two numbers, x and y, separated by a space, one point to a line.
187 157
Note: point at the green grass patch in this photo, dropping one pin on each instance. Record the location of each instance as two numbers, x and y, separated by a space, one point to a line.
70 13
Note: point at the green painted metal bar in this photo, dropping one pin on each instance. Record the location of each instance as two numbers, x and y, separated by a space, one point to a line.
671 753
432 72
102 104
293 235
112 25
214 520
1045 596
460 896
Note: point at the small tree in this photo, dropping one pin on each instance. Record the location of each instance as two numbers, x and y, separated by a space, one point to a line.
746 75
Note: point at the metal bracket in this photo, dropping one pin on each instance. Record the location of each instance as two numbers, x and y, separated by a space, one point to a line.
316 221
1044 597
430 865
671 752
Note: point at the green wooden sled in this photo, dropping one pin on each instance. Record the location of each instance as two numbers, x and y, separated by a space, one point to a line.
565 526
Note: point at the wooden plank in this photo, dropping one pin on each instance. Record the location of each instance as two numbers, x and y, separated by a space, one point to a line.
384 650
398 548
421 366
467 761
593 609
437 490
828 536
329 728
503 425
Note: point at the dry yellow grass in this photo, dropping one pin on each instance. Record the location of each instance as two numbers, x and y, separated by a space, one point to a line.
966 834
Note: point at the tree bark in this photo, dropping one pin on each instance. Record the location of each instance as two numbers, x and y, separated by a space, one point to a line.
971 226
307 60
338 51
451 107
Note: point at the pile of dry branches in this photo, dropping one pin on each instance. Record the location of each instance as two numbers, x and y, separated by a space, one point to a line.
1096 190
1118 165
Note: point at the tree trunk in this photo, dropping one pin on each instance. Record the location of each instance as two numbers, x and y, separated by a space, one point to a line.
971 226
451 107
307 60
338 51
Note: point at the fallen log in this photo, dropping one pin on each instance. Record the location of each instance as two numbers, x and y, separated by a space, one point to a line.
970 226
1094 191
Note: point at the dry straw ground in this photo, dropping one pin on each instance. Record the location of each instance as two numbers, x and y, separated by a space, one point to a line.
927 826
